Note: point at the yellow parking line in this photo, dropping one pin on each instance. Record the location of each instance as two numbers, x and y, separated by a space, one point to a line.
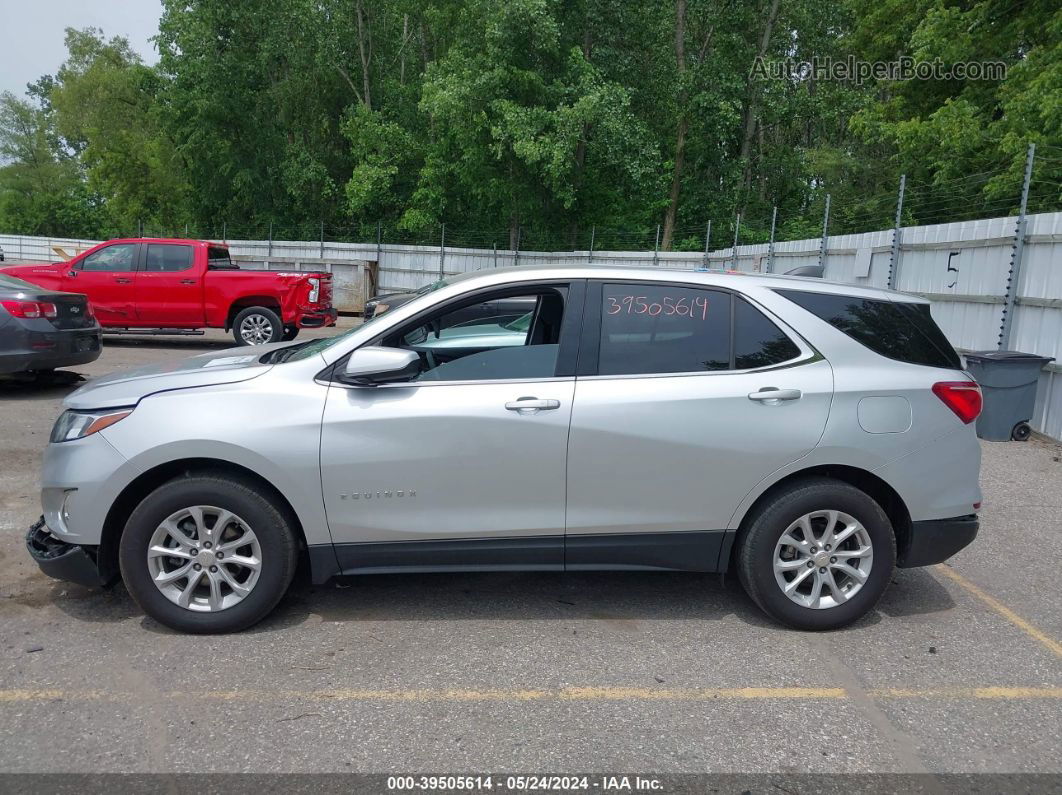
1025 626
562 694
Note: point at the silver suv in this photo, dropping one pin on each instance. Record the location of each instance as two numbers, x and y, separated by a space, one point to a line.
809 436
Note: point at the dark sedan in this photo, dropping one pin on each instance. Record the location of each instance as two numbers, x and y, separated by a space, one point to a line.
41 330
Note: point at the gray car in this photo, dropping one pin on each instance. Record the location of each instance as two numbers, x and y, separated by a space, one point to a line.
809 436
41 330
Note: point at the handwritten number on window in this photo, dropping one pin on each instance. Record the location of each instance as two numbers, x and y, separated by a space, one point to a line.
697 308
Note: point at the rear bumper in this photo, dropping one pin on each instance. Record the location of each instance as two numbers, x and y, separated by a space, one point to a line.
936 540
325 317
61 560
24 350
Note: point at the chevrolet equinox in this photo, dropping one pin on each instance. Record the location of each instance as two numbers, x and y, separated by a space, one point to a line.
809 436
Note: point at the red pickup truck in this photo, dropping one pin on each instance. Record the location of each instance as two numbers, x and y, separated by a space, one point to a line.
163 284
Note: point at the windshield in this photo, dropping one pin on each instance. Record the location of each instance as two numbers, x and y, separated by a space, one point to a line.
16 284
431 288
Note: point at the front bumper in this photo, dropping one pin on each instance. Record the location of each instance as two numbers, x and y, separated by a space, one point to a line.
61 560
317 319
936 540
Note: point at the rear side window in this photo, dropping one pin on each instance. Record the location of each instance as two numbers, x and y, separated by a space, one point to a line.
663 329
167 258
649 329
758 342
902 331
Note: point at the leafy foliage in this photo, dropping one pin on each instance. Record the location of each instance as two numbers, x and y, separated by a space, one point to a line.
534 123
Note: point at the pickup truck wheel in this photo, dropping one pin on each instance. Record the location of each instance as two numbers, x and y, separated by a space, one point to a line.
257 325
207 554
290 333
817 555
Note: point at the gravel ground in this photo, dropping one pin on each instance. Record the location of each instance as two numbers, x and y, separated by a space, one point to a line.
959 669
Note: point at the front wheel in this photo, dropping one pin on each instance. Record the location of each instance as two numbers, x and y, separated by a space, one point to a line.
817 555
257 325
207 554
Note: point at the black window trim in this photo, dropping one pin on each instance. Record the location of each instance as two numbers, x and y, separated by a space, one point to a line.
567 355
590 344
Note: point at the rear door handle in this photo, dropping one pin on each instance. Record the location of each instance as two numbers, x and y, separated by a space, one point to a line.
771 394
530 405
123 281
187 281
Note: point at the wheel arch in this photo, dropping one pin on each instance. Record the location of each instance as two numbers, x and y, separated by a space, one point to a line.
266 301
148 481
878 489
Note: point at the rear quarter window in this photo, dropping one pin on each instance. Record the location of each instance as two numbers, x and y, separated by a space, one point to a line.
902 331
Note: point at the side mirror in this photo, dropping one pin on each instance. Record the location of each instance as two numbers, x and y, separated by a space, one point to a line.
375 364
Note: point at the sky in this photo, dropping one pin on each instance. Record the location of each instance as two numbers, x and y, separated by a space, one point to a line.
32 44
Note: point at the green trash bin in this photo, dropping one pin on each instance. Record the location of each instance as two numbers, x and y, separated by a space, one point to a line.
1008 381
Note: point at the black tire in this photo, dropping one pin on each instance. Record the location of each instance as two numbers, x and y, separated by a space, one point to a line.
756 553
1021 432
259 317
269 522
290 333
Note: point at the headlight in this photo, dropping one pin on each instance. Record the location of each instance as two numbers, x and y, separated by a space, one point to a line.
315 289
78 424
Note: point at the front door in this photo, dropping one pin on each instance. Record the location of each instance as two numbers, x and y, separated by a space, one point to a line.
669 430
107 277
462 467
167 290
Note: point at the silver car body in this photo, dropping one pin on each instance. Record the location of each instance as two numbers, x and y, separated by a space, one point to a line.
367 468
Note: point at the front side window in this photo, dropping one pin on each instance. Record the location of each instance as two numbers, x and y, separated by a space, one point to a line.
168 258
517 336
119 257
663 329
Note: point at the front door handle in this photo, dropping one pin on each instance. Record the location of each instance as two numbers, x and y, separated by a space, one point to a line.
187 281
773 395
123 281
530 405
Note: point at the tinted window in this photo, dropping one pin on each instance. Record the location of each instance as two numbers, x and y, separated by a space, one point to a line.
167 258
663 329
112 258
218 259
902 331
758 342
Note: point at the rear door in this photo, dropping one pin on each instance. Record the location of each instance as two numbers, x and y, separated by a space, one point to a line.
107 277
673 420
169 292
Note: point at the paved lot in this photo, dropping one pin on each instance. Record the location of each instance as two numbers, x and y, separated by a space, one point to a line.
959 670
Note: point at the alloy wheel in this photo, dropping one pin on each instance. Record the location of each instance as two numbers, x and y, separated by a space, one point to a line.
823 559
204 558
256 329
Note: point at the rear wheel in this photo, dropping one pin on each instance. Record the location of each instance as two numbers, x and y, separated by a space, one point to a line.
207 554
818 555
257 325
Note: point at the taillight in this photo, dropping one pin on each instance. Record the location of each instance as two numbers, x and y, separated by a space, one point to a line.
962 397
30 309
315 290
